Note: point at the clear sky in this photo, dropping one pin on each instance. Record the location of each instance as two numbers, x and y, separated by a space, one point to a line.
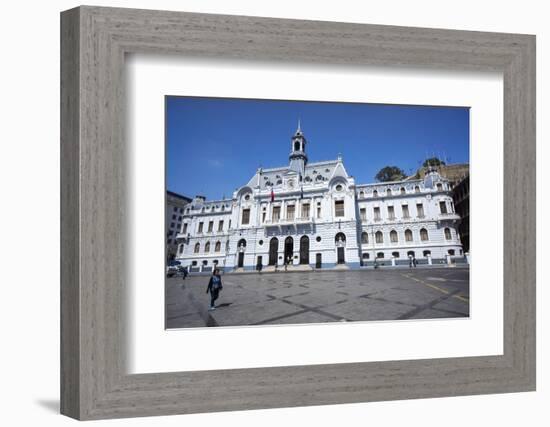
214 145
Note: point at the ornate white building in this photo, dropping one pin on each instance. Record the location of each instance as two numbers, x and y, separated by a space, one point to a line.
314 215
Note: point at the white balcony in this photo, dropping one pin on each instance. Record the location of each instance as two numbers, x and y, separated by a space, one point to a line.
449 216
288 221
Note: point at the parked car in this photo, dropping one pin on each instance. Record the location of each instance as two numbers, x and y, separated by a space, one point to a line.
173 268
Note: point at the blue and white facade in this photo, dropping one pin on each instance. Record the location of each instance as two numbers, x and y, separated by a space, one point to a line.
314 215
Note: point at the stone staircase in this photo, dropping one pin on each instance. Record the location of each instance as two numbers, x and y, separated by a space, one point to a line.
299 267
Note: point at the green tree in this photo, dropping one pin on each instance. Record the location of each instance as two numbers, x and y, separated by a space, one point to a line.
390 173
433 161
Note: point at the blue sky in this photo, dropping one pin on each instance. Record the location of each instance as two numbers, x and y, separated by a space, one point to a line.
214 145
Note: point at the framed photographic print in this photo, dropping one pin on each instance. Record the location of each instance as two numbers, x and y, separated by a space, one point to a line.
348 211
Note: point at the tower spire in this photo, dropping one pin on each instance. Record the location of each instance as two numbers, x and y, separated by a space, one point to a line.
298 156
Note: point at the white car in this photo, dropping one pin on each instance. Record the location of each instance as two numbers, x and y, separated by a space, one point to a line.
173 268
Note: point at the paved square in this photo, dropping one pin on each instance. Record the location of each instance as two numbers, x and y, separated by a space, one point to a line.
318 297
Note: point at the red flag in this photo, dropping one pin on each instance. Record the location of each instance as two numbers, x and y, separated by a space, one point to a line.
272 195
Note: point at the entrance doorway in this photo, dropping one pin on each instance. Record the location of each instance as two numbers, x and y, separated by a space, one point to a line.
340 241
304 250
318 260
341 256
289 250
273 251
241 247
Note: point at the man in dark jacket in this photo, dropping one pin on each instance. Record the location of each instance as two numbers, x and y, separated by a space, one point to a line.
214 287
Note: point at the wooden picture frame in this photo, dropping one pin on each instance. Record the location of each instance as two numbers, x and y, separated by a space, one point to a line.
94 41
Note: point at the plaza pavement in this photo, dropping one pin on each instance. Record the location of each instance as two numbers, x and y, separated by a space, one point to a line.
318 297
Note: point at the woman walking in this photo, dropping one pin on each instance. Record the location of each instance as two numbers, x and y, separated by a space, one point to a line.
214 287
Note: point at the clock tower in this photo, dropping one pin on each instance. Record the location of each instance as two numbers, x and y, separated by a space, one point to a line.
298 156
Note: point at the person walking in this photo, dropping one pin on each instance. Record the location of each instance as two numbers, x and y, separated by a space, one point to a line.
414 261
214 287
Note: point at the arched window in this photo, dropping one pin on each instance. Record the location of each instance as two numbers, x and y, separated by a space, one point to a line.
417 189
448 234
366 255
197 248
181 249
388 192
218 246
380 255
364 237
403 190
340 237
408 235
423 234
426 253
395 254
410 254
296 146
379 237
451 252
207 247
361 195
393 236
375 193
227 246
439 186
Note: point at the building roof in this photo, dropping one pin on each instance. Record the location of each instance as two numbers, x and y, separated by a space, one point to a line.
178 196
315 172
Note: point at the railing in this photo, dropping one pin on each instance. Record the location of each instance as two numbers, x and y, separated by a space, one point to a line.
449 215
285 221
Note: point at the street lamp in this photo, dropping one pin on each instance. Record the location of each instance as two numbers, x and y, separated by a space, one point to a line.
375 264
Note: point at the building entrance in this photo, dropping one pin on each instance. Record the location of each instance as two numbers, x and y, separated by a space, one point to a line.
289 250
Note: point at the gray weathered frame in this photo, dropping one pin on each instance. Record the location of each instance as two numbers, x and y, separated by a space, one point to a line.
94 42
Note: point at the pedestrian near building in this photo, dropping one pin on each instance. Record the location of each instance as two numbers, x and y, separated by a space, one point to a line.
214 287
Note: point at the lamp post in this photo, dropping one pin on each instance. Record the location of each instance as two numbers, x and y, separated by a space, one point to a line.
375 264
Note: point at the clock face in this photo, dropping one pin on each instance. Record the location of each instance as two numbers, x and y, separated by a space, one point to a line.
290 183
